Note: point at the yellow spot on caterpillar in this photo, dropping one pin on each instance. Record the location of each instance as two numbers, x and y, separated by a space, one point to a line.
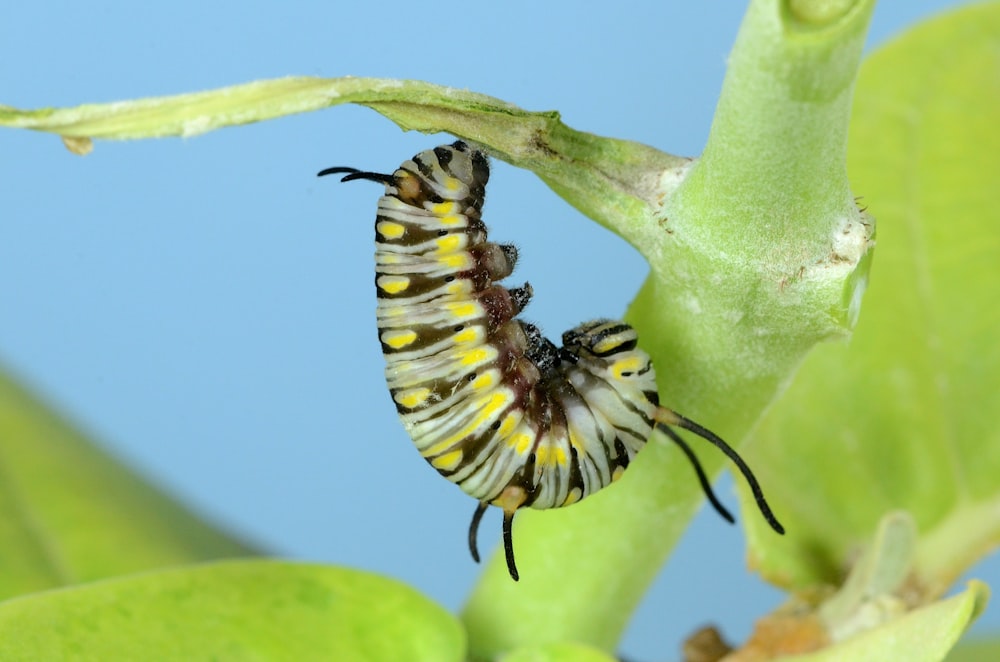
463 286
483 381
461 310
456 260
451 219
390 230
607 344
509 422
444 208
449 243
547 455
448 461
413 398
520 443
572 497
474 356
632 364
452 184
468 335
617 473
393 284
399 339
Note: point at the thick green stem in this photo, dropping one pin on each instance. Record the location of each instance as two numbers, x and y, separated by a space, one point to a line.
757 254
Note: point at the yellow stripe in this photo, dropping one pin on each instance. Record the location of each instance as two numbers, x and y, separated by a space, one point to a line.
490 407
572 497
631 364
520 443
509 422
448 461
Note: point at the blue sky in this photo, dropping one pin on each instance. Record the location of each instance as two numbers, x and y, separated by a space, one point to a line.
204 306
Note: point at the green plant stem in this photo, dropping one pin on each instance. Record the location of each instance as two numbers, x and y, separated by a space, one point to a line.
758 254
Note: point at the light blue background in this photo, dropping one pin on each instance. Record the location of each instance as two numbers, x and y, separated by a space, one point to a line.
205 306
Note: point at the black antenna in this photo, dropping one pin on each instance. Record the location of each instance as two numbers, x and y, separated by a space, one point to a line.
665 417
354 173
508 543
474 529
706 486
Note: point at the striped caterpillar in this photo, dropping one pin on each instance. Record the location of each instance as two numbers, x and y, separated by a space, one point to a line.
489 402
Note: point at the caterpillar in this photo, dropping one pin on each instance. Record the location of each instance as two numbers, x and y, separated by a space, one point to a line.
490 402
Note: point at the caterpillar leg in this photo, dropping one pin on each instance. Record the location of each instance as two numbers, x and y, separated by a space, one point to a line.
665 417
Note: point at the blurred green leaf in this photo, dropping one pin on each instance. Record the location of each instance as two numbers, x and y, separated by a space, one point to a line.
558 652
236 610
923 635
976 650
70 514
903 416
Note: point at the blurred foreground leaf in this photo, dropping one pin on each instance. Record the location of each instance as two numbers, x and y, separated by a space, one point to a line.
976 650
558 652
237 610
903 417
923 635
69 514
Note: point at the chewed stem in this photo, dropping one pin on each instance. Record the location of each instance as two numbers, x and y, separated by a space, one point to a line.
665 417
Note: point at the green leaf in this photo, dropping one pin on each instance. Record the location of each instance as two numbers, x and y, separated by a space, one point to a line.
976 650
238 610
923 635
607 179
902 418
70 514
558 652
